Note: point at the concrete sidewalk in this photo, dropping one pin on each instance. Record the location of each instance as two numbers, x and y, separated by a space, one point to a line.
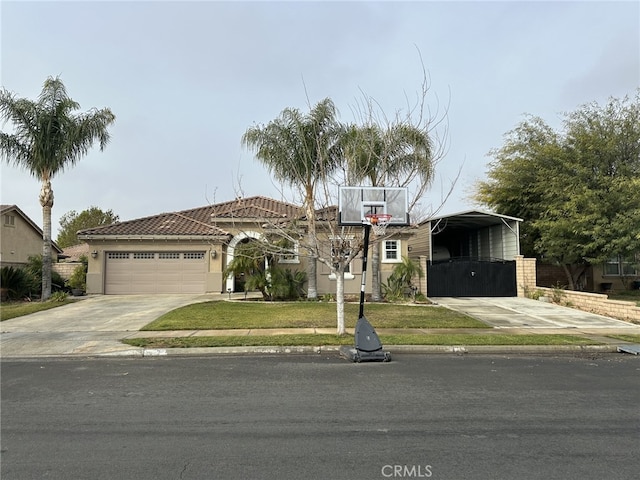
96 325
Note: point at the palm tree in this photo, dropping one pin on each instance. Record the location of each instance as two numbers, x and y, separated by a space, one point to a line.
298 149
395 156
47 138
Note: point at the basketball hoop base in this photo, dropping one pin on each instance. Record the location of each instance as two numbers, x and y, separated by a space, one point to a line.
358 356
367 345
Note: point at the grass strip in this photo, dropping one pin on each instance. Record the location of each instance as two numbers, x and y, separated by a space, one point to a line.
10 310
229 315
323 339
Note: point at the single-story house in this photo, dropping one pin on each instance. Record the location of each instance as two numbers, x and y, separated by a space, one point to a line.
187 251
20 238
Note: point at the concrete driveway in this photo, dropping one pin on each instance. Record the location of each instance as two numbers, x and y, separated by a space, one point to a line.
525 313
93 325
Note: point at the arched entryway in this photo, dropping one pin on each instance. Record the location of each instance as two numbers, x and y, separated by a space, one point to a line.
241 237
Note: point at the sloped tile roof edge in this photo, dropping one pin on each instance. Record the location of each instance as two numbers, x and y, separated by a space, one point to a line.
193 222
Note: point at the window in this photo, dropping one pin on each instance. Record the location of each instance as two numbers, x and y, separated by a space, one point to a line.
391 252
169 256
619 266
342 246
9 220
144 256
193 255
291 255
118 256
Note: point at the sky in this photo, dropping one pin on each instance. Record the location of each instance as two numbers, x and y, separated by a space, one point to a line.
186 79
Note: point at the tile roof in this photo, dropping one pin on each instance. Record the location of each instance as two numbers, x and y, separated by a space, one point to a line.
74 252
201 221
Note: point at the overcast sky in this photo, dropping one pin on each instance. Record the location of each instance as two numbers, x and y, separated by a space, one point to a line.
186 79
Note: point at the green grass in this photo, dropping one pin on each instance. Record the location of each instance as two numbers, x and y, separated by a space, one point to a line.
10 310
626 295
387 340
230 315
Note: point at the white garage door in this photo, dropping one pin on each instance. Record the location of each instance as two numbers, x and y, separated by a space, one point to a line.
155 272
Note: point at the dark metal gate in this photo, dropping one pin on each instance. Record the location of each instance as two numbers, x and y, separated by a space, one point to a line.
471 278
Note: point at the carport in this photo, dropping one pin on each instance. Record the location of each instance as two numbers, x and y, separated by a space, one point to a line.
472 254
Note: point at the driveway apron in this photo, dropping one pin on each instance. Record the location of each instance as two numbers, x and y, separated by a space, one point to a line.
95 324
525 313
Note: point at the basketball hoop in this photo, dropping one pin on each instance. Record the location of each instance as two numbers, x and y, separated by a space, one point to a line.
378 222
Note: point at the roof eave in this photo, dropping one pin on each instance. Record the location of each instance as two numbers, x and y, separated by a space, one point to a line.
165 238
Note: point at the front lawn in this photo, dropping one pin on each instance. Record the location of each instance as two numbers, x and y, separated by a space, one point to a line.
229 315
10 310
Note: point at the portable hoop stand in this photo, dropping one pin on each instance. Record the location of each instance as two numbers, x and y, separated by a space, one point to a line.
368 347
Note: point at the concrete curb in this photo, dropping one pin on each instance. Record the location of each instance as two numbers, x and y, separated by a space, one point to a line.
332 349
395 349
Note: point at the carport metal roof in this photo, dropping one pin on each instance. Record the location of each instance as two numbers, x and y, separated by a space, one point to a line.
470 219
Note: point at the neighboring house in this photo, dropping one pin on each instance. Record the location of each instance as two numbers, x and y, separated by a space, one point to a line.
468 254
20 238
187 251
617 273
614 275
70 258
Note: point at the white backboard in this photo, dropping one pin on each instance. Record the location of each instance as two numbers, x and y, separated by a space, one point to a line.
355 202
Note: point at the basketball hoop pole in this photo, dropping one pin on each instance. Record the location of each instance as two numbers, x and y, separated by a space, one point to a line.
367 231
367 343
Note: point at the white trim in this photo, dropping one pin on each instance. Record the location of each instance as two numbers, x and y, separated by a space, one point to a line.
398 250
230 283
295 252
347 276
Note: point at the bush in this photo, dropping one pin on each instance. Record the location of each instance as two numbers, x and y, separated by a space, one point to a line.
78 279
287 285
34 272
15 283
399 282
58 296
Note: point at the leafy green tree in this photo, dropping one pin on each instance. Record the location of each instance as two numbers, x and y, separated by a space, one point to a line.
72 222
299 150
577 189
392 156
47 138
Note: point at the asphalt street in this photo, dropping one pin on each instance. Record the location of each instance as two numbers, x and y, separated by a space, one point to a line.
321 417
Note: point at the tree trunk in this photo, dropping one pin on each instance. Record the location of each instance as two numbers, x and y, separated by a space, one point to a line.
376 289
312 267
312 240
567 272
46 200
340 299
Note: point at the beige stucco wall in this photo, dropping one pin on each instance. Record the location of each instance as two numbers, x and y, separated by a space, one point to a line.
214 280
19 241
